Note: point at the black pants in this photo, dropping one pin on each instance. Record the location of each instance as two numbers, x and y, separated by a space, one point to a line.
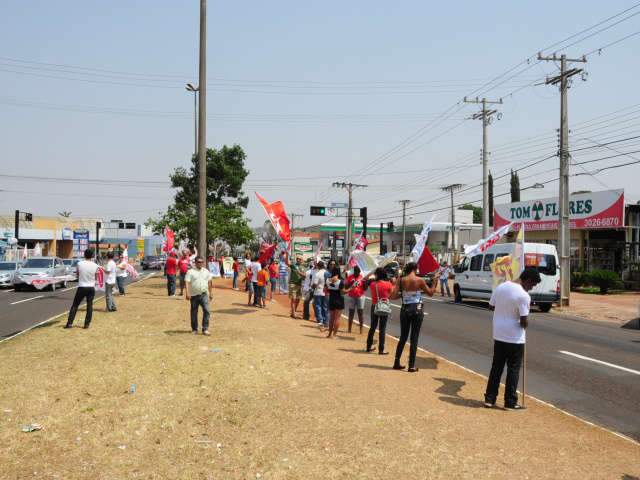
171 285
200 301
411 317
377 321
256 294
306 313
81 294
511 354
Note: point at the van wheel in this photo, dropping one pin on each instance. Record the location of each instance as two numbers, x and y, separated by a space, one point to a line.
544 307
457 294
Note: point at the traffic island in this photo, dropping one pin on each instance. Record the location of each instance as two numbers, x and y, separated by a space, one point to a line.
266 396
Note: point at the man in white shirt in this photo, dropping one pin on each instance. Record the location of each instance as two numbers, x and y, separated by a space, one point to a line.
199 291
110 282
306 290
87 270
317 286
255 268
510 303
121 275
445 270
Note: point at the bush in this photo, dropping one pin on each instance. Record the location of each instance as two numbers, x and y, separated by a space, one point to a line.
604 279
579 279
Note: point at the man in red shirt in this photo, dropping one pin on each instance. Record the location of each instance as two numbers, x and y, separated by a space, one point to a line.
183 267
236 271
355 296
171 268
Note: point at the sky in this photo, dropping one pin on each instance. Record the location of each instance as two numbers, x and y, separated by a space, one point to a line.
314 92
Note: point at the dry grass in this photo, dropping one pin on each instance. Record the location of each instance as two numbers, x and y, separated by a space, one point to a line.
277 402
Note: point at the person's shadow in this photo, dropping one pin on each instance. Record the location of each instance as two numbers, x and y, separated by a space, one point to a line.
450 390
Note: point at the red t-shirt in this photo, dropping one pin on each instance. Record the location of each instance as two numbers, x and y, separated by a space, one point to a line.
356 285
171 266
384 288
273 270
236 266
183 265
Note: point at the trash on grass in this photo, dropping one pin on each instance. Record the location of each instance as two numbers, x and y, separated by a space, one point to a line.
215 350
133 388
32 427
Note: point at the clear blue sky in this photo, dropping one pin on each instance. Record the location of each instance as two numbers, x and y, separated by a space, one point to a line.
308 89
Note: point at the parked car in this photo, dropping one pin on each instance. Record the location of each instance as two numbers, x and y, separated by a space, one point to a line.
474 278
40 267
71 263
153 262
7 272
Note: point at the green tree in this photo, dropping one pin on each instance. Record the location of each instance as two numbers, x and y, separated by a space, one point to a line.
477 212
226 200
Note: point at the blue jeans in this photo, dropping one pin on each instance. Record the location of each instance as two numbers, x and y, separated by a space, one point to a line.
235 280
319 310
201 300
325 308
171 285
121 281
444 284
284 285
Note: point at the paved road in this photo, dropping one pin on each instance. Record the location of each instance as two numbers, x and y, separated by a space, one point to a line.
22 310
607 394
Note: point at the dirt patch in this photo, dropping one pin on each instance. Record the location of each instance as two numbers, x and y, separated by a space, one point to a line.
264 397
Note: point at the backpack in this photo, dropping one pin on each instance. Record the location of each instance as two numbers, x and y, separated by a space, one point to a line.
382 307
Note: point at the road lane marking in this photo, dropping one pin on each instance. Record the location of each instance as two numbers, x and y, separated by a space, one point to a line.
70 288
595 360
26 300
7 290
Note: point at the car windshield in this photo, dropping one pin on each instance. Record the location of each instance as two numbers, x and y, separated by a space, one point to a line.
7 266
39 263
68 261
152 258
543 263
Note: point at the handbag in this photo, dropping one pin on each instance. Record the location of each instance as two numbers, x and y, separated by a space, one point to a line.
382 307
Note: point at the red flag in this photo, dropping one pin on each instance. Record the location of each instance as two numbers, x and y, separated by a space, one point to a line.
169 240
427 262
276 213
266 252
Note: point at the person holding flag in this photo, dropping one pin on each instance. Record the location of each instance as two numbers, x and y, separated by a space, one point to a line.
88 271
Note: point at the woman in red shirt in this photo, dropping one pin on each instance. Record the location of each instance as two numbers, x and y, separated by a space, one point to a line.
380 289
273 277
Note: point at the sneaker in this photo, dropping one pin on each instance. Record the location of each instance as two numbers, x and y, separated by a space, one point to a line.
489 405
514 408
206 332
68 326
195 332
413 369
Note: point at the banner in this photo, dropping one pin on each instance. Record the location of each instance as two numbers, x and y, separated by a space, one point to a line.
483 244
214 268
227 265
427 262
363 260
169 239
502 270
421 241
278 216
590 210
518 263
266 252
360 243
42 281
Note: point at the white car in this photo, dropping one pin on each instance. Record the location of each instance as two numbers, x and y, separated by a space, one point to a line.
7 272
72 271
474 278
39 267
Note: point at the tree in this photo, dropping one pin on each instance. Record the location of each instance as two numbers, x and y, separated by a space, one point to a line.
225 199
490 181
65 213
515 187
477 212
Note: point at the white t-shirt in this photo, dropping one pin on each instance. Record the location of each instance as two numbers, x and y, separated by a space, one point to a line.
511 302
110 270
121 272
87 273
308 280
444 273
255 268
319 280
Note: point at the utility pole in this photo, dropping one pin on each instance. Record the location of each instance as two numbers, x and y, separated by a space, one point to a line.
486 115
381 239
202 134
564 232
452 188
293 221
16 227
404 226
98 225
348 237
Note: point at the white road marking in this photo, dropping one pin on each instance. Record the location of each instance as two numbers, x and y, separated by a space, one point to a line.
595 360
26 300
8 290
70 288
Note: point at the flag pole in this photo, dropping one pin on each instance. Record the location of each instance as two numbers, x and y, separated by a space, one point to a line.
524 375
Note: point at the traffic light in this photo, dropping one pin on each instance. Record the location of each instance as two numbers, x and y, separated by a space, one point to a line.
390 227
28 217
318 211
363 213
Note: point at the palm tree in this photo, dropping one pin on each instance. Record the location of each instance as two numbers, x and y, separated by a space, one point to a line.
65 214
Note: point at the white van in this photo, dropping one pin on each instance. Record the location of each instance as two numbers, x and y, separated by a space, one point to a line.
475 280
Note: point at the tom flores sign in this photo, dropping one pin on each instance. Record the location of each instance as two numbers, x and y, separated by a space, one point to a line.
586 210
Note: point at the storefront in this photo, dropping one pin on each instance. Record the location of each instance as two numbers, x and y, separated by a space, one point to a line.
604 231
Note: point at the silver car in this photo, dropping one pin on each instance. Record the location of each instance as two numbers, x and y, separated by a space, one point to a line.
72 271
40 267
7 272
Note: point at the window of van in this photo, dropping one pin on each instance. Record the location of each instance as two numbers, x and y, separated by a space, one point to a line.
476 263
488 260
545 264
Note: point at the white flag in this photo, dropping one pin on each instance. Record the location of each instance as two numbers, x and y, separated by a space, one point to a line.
482 245
421 240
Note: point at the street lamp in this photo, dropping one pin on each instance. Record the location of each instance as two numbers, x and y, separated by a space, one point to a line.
191 88
535 186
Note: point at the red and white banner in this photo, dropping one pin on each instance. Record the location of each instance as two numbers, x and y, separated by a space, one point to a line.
266 252
278 217
42 281
591 210
169 240
427 262
483 244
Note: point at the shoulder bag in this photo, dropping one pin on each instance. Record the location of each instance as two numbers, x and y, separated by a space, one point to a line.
382 307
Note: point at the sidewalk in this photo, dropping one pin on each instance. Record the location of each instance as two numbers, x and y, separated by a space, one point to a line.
617 309
265 397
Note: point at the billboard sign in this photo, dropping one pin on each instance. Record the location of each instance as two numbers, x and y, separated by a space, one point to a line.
593 210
